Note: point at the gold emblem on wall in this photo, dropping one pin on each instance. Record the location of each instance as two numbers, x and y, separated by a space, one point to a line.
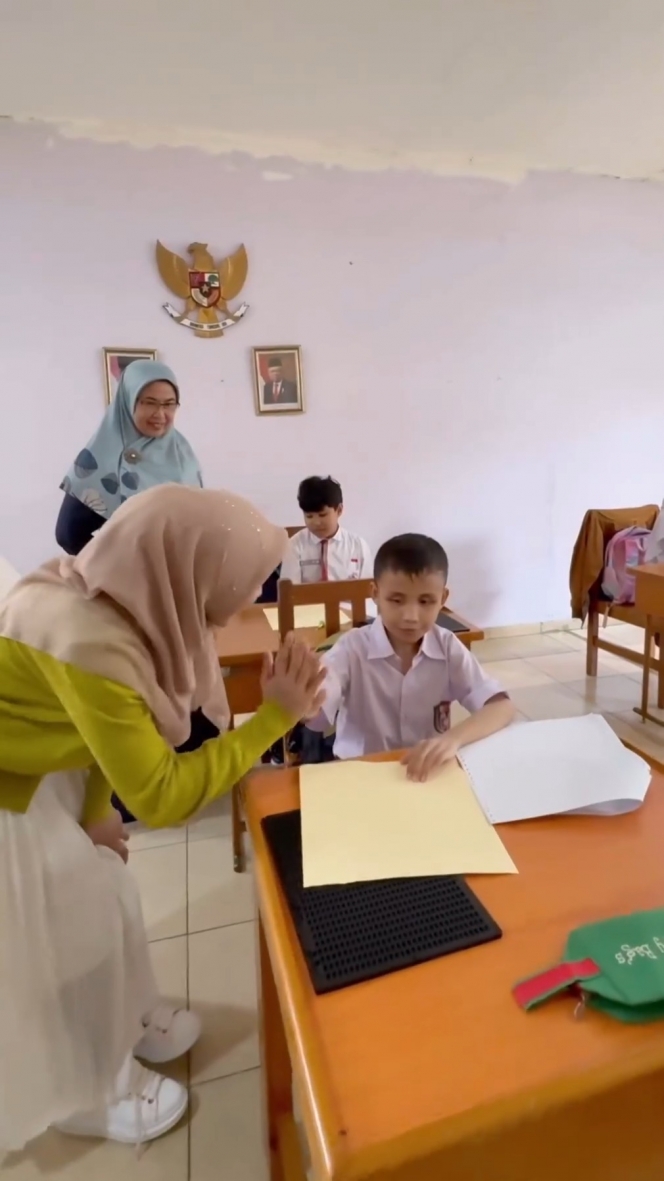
206 287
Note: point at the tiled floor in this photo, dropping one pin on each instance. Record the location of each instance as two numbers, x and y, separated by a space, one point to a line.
200 921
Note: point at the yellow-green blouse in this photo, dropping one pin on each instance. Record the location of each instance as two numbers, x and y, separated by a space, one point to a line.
57 715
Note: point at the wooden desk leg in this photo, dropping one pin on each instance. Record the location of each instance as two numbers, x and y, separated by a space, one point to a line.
277 1074
239 852
591 641
647 657
659 638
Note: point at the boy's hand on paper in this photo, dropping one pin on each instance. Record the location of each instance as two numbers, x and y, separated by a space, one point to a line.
430 756
294 679
111 833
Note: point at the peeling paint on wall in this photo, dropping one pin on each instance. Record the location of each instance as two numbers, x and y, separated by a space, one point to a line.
326 154
508 170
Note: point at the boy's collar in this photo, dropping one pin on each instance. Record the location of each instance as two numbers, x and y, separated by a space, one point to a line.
379 646
335 536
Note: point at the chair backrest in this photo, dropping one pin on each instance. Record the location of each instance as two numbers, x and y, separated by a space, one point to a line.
329 595
293 529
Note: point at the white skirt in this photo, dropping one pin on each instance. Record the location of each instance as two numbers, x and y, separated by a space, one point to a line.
75 972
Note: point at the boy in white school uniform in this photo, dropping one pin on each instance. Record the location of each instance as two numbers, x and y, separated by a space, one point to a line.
324 551
391 685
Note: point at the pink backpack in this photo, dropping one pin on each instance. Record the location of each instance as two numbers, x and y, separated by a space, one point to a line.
624 551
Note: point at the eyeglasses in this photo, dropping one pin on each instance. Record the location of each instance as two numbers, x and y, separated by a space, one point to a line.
153 404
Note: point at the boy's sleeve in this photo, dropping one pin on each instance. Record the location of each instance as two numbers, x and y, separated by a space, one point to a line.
290 567
337 680
131 758
469 684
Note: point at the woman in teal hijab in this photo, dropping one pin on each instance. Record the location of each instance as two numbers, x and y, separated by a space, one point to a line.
135 447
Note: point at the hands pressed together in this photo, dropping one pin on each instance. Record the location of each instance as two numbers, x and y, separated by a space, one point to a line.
294 679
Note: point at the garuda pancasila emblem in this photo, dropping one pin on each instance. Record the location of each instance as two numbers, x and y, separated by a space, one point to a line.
206 287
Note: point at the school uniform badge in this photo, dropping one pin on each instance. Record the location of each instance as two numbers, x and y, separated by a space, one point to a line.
441 717
206 287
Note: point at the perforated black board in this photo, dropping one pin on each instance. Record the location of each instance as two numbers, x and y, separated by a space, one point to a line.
357 932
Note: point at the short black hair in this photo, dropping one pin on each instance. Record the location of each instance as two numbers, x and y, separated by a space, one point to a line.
319 492
274 362
413 554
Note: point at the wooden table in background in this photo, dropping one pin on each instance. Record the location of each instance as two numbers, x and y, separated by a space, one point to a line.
242 644
434 1073
649 599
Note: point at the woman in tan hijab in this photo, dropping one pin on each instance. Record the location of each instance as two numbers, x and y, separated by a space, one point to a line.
103 657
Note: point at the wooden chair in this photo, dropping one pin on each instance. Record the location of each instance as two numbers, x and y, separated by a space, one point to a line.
332 596
588 602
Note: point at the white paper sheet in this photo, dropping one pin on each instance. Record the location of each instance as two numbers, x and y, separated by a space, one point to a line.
309 615
563 765
365 821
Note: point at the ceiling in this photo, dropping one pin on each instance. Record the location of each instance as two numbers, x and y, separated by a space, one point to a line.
485 87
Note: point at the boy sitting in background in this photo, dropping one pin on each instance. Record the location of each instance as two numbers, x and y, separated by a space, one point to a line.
391 685
324 551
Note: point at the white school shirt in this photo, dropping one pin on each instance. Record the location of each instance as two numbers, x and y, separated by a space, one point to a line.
346 555
378 707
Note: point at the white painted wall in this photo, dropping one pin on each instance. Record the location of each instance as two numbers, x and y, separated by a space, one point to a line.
481 362
476 87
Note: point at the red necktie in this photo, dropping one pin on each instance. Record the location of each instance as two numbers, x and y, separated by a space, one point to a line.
323 562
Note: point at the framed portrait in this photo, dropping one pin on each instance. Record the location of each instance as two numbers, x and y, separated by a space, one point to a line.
278 380
115 363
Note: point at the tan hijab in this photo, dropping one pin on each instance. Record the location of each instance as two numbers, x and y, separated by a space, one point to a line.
176 561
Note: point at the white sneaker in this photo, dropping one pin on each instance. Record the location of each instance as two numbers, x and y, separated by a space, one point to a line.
169 1033
148 1105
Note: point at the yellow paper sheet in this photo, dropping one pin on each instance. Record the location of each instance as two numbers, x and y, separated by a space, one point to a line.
365 821
309 615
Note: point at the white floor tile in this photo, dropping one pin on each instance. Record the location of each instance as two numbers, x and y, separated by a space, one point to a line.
217 895
227 1132
647 737
607 694
71 1158
213 821
162 880
521 647
549 701
223 990
571 666
519 673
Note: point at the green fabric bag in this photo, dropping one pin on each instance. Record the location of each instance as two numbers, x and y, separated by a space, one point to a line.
616 966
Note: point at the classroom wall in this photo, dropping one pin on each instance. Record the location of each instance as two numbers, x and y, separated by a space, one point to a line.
481 361
457 87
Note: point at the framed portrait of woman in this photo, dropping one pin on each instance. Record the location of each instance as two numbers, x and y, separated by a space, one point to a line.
115 363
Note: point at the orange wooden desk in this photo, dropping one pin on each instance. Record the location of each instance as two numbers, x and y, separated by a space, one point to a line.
434 1074
649 599
241 645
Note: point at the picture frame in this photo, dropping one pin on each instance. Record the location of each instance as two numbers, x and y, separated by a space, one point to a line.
278 380
116 361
